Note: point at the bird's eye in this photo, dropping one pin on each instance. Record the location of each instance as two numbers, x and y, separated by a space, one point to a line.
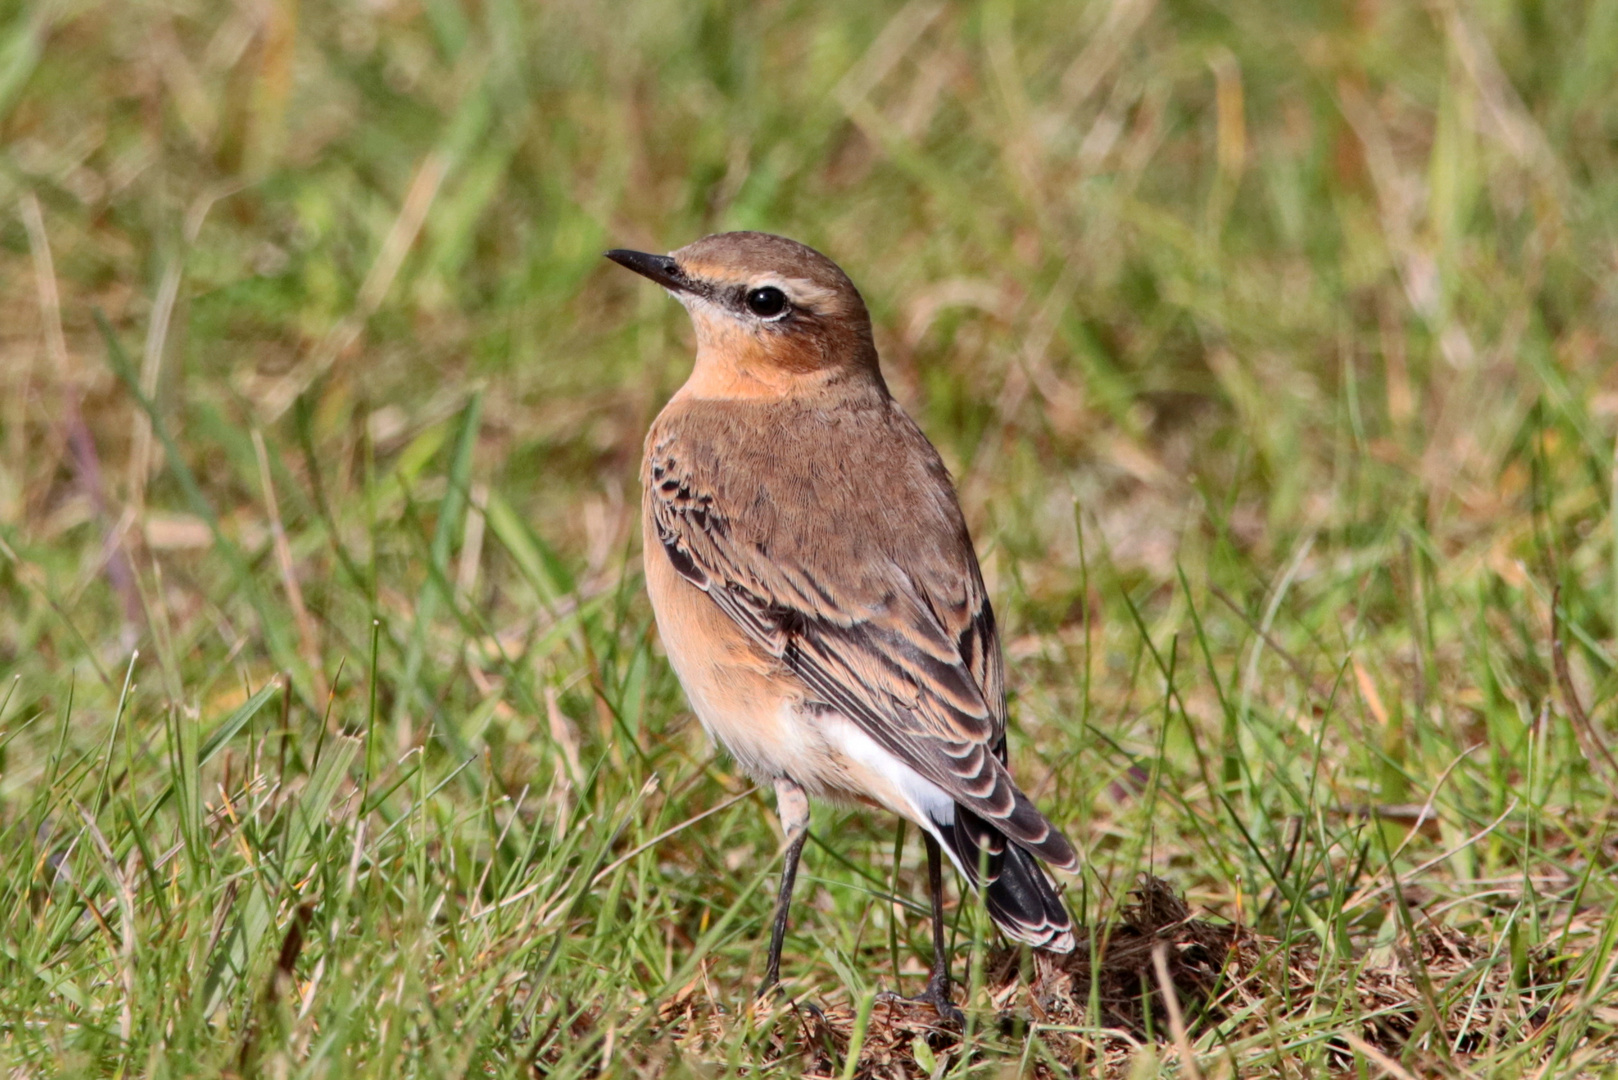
767 302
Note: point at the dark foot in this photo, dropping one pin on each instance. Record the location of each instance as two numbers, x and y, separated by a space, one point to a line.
936 995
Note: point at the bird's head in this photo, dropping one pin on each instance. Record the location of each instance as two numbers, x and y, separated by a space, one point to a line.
773 316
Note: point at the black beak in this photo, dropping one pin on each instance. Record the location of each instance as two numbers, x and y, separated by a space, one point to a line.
660 268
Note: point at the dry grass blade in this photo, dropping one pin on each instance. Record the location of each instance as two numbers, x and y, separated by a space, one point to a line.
1171 1002
1595 749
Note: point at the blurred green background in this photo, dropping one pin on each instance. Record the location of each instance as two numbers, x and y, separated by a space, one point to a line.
1271 346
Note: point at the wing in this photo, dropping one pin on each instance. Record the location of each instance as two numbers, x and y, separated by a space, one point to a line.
905 646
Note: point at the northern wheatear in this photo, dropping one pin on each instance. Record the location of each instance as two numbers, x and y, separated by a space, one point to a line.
816 588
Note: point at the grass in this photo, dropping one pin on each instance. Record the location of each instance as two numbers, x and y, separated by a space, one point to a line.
1271 346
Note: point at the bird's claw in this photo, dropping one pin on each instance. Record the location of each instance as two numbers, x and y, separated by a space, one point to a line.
936 995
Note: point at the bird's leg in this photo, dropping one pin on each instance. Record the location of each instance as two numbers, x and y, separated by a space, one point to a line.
793 805
937 993
783 900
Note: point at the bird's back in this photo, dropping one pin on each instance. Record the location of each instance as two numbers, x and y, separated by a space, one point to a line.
851 502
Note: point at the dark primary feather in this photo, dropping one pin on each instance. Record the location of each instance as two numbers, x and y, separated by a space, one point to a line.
1019 896
859 576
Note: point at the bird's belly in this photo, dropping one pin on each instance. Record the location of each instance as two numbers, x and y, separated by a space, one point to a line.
746 699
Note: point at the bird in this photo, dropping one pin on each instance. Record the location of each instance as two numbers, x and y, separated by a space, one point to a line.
817 591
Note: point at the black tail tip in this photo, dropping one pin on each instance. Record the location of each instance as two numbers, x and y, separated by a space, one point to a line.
1025 905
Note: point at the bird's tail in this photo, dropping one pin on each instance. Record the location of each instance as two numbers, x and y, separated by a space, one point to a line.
1020 898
